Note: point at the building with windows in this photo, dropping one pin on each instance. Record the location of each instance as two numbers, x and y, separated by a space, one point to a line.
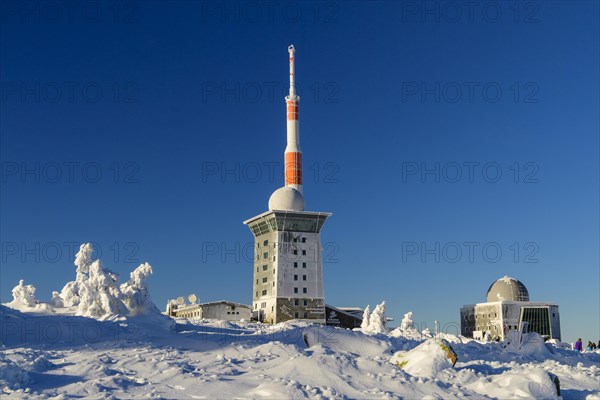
221 310
506 308
288 272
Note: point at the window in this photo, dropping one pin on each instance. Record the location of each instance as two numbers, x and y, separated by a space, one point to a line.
266 255
273 284
272 308
295 277
295 252
296 314
303 240
305 314
304 290
295 265
273 258
228 312
265 279
295 240
256 269
305 303
295 290
295 302
303 277
266 243
273 271
303 265
257 281
256 294
303 252
264 292
265 267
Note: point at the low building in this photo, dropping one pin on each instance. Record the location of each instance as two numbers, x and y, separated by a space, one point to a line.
344 317
506 308
221 310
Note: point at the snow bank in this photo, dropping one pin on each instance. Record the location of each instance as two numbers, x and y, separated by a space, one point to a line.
536 384
427 359
12 375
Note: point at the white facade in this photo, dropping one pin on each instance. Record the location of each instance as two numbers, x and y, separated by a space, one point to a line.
288 270
495 319
221 310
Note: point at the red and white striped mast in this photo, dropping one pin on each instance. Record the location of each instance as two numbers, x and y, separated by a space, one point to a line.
293 154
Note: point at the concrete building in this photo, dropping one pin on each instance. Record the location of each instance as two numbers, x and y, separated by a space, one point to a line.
221 310
288 272
506 308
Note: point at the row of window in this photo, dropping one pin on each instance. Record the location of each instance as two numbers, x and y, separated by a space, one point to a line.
266 242
296 277
304 290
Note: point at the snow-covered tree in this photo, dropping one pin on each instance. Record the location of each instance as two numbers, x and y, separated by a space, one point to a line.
24 295
407 322
99 293
56 300
365 319
136 295
378 321
70 293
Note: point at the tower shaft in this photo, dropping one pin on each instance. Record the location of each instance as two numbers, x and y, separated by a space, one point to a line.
293 153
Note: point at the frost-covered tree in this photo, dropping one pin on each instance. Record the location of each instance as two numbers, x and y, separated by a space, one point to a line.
70 293
24 295
377 321
136 295
365 319
99 293
407 324
56 300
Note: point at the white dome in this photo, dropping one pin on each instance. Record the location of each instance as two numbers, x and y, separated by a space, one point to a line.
286 198
507 289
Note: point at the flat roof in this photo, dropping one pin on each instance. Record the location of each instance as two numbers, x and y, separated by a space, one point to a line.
300 213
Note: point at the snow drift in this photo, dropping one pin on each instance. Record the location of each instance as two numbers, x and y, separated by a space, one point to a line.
427 359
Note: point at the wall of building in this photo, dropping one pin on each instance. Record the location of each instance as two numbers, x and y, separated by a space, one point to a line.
226 311
288 275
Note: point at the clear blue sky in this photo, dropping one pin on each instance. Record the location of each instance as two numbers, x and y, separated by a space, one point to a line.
157 96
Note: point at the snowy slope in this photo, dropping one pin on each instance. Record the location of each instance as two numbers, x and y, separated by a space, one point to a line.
148 357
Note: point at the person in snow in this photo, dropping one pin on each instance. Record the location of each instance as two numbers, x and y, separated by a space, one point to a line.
578 345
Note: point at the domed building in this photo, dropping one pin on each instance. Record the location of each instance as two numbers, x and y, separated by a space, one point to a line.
507 307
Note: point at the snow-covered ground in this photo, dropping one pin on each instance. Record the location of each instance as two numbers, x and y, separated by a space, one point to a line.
99 339
49 354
